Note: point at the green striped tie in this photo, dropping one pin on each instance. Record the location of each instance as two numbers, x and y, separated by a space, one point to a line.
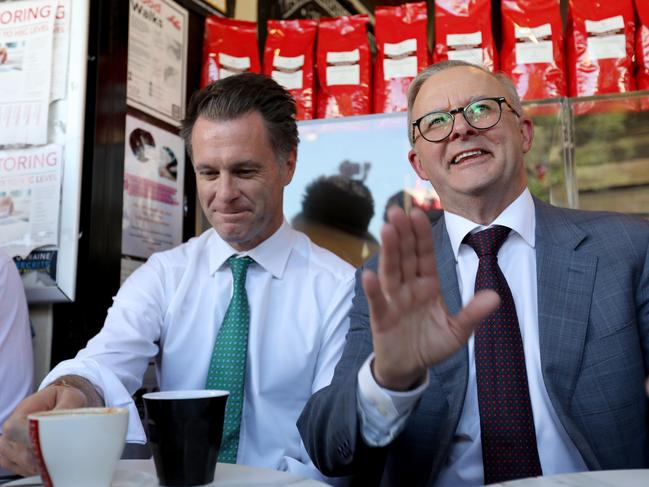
228 366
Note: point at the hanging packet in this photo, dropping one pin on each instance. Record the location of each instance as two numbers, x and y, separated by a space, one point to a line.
402 51
642 43
600 38
532 49
343 66
463 32
288 59
230 47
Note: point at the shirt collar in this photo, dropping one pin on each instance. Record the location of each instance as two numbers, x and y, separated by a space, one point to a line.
519 216
272 254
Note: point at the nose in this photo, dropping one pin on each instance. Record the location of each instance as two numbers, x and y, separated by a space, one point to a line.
227 187
461 128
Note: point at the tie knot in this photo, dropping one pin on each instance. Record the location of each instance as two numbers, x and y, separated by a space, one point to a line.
239 266
489 241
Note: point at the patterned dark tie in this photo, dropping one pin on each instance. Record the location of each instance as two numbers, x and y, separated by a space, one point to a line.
228 366
506 421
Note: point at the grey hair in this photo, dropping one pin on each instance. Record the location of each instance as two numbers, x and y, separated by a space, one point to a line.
433 69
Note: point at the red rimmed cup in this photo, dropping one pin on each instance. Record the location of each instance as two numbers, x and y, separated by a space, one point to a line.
78 447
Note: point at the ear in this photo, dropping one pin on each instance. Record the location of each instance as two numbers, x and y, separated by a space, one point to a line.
288 168
527 133
416 164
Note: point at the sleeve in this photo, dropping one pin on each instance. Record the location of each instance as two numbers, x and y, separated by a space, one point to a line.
383 413
329 423
335 326
16 356
642 306
115 360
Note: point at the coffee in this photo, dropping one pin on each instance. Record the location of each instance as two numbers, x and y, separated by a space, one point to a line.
78 447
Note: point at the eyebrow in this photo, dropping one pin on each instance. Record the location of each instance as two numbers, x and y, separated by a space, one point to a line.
471 100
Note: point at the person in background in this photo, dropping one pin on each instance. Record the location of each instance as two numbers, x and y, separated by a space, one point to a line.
16 355
250 306
336 213
511 341
3 54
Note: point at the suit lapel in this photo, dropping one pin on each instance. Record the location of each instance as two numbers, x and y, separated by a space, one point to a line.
452 374
565 280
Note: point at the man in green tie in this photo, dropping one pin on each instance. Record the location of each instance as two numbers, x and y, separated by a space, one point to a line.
251 305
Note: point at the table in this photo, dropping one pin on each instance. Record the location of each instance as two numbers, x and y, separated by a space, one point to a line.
603 478
141 473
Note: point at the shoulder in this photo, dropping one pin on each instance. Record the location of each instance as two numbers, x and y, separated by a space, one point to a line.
182 254
604 228
319 260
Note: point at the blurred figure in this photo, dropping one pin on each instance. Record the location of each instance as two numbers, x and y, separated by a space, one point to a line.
336 213
16 356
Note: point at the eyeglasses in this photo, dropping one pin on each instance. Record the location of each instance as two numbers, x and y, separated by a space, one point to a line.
480 114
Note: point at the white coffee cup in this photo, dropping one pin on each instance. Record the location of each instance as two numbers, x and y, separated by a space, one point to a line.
78 447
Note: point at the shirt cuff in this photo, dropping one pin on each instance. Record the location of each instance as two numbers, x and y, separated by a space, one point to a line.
383 412
108 385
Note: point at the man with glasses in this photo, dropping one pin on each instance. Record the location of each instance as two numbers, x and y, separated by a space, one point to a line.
511 341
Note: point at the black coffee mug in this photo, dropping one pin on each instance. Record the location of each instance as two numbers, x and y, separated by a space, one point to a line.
185 430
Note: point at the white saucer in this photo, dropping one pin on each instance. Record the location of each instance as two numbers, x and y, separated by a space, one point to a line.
121 478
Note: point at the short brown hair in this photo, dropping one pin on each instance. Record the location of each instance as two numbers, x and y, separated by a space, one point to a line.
237 95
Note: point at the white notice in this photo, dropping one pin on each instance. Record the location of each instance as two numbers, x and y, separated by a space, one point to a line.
26 33
157 59
534 52
344 75
400 68
607 47
290 81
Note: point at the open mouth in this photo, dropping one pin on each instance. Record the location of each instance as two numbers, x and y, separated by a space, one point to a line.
468 155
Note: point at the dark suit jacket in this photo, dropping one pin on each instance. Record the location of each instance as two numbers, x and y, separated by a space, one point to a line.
593 302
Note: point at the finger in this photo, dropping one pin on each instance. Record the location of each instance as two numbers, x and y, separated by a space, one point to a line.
17 459
483 304
389 274
377 304
407 243
427 264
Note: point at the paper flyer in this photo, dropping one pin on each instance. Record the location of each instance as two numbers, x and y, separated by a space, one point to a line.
153 189
157 59
26 39
30 196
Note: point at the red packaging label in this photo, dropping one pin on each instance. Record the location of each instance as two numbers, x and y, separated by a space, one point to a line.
600 38
642 43
463 32
343 64
532 50
402 51
230 47
288 59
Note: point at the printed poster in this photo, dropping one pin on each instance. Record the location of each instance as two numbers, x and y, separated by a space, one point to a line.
153 189
26 39
157 59
30 196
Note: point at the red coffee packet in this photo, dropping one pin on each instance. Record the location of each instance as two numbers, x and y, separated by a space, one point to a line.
642 43
600 38
288 59
343 65
402 51
532 49
463 32
230 47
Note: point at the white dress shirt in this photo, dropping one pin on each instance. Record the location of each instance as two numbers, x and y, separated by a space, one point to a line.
171 308
16 356
384 413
